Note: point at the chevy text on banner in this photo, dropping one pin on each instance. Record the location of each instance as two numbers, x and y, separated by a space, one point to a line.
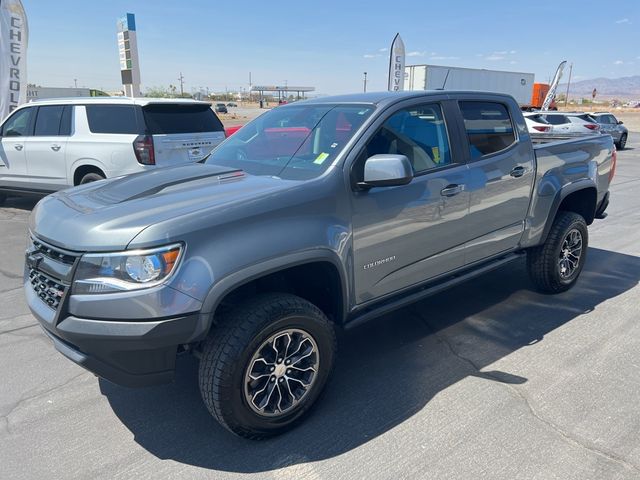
396 65
13 56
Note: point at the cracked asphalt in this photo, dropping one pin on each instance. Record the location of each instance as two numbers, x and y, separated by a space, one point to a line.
487 380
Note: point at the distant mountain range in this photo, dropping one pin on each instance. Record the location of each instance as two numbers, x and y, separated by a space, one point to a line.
623 88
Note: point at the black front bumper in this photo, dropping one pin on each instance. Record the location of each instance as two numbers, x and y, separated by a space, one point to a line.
133 354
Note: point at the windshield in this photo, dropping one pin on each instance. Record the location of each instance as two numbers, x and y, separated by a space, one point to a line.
296 142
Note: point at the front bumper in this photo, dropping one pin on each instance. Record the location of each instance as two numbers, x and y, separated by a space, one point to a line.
129 353
129 338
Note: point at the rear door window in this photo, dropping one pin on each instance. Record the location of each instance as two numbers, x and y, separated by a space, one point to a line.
112 119
48 121
489 127
175 118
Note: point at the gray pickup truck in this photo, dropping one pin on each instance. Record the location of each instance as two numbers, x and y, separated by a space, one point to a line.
316 216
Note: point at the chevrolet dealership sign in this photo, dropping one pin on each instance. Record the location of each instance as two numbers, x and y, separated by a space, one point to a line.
13 56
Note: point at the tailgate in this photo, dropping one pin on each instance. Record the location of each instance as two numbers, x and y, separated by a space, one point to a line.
182 132
175 149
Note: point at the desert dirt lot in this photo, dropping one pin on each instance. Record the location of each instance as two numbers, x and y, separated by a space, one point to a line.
487 380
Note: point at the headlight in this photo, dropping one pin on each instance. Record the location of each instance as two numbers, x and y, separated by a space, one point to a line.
129 270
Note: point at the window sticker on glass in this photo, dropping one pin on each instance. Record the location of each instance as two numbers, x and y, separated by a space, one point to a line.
436 154
321 158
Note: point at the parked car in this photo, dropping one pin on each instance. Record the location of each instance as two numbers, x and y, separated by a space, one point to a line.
536 124
52 144
315 216
571 123
221 108
232 104
611 125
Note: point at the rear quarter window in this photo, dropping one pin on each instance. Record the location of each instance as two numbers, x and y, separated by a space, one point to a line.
489 127
171 119
556 119
112 119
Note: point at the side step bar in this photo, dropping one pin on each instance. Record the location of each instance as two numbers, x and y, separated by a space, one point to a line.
428 290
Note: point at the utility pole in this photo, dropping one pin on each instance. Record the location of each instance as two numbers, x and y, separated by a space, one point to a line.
181 79
365 82
75 82
566 98
250 86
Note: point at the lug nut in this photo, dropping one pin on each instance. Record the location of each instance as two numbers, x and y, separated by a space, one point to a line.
279 360
272 369
288 362
288 372
281 380
273 379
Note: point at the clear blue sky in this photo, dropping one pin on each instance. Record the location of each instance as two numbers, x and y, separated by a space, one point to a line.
327 44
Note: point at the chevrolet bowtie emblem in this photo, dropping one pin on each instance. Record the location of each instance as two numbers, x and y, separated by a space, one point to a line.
33 260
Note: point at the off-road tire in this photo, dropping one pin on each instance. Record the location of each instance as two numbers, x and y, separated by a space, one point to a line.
91 177
228 350
542 261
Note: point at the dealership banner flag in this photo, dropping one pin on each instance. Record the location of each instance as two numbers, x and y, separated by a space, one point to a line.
396 65
13 56
554 86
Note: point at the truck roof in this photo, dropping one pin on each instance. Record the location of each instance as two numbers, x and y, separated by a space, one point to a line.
379 98
142 101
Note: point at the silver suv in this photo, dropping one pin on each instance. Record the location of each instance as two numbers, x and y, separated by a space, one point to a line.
611 125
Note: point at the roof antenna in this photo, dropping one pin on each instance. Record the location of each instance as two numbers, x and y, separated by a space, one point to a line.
445 80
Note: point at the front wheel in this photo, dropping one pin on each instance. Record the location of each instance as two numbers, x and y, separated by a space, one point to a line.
555 266
266 363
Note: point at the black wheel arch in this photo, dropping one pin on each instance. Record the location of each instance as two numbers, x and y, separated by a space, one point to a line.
579 197
318 261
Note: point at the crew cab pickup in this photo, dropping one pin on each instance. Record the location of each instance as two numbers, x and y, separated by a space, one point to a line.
316 216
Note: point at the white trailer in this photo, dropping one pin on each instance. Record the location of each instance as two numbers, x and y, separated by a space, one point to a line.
433 77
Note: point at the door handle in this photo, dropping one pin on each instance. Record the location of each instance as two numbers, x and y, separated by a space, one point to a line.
518 171
18 147
55 148
451 190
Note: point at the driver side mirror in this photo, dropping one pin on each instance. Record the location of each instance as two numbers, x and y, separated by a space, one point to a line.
620 122
386 170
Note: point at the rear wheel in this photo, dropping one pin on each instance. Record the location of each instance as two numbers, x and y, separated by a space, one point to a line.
91 177
555 266
266 363
622 142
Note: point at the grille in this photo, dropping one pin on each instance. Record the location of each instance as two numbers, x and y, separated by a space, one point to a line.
48 289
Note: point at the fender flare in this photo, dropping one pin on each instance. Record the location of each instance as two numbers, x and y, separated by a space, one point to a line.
241 277
559 196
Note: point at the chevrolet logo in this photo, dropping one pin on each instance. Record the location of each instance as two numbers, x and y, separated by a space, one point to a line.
33 260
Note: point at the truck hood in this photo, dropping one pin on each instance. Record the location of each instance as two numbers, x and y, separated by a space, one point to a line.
108 214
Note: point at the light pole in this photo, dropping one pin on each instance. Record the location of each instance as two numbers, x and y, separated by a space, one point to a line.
566 97
75 82
365 82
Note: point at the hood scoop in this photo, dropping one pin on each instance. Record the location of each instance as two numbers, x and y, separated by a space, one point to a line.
142 185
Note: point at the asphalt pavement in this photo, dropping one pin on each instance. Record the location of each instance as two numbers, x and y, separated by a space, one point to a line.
487 380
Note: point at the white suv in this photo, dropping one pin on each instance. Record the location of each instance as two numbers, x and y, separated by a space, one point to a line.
53 144
571 123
